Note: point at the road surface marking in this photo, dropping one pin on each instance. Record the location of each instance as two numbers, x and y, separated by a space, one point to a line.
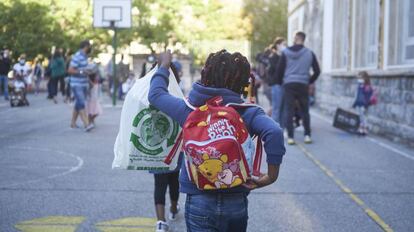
371 213
135 224
71 170
50 224
391 148
386 146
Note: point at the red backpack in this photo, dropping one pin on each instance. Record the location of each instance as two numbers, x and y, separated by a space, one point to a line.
219 151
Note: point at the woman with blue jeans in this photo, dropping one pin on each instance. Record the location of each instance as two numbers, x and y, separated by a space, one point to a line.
225 75
277 90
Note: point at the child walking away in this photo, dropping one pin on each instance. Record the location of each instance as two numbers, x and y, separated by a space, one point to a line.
93 106
223 81
364 98
162 180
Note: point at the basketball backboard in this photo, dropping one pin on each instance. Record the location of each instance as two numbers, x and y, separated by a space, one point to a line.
117 11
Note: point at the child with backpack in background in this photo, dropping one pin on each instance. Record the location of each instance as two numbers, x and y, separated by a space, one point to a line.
215 174
365 97
93 107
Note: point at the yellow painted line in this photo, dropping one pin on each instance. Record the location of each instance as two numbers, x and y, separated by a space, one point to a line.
125 229
50 224
55 220
45 228
130 224
131 221
371 213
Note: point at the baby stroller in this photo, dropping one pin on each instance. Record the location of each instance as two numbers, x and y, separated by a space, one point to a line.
17 90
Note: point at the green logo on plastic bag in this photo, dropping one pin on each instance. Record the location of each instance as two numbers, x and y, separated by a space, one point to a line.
155 131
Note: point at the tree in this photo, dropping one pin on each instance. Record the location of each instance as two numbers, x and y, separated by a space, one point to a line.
268 19
28 28
34 26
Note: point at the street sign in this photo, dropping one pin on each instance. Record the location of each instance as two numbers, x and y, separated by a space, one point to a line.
346 120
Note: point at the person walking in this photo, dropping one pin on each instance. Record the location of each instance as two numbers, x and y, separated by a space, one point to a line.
162 180
122 76
364 98
5 65
293 71
92 104
61 79
79 84
263 62
224 75
57 73
68 90
277 91
38 75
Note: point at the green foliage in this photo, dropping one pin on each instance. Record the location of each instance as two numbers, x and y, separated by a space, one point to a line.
268 19
34 26
28 28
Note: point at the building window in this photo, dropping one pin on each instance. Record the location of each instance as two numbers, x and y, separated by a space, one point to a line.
340 35
366 22
400 33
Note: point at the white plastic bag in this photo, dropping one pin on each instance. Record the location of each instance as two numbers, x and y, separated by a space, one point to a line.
146 135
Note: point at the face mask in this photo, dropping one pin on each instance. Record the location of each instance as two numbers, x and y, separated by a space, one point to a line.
360 81
22 61
88 51
281 47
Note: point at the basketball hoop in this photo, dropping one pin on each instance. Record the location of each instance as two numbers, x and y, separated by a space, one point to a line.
116 12
112 14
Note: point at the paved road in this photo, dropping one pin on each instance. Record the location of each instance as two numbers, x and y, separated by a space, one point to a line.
54 178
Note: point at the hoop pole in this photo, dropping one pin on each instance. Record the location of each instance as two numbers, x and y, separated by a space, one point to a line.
114 79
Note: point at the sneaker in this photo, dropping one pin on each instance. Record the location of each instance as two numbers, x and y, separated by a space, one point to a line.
173 216
162 227
89 127
285 134
290 141
308 139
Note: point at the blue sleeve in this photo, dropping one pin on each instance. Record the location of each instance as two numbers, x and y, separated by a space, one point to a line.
271 134
74 62
160 98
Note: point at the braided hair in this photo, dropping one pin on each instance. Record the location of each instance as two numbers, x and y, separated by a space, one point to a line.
226 70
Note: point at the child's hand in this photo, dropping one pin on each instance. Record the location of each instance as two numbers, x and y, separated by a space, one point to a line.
262 181
165 59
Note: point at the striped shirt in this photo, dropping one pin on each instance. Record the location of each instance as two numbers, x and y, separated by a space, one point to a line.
79 61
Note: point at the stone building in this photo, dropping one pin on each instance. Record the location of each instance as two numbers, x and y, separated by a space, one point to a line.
372 35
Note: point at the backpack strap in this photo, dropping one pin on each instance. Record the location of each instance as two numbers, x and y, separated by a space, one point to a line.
243 105
189 104
174 150
257 162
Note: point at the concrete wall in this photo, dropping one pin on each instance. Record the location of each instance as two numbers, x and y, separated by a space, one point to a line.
392 117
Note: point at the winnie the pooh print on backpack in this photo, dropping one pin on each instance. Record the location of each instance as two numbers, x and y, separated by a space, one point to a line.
216 143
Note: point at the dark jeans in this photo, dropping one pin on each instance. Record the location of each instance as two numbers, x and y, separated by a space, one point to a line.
216 212
161 183
4 87
62 84
53 87
296 93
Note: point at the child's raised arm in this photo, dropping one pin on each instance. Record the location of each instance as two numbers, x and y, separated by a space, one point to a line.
160 97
